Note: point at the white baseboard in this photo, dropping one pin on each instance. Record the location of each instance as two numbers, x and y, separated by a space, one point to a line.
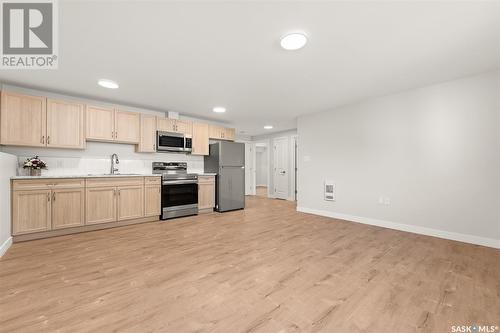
490 242
5 246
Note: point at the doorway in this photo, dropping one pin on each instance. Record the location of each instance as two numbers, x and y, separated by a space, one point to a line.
262 169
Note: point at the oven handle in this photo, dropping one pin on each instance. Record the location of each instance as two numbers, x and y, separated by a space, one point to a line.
176 182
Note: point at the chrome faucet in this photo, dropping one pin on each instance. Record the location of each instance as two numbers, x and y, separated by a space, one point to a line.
114 162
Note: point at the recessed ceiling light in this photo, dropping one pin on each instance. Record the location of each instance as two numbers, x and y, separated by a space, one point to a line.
108 84
219 109
268 127
293 41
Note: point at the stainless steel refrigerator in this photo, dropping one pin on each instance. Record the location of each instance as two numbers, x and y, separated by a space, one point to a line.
227 159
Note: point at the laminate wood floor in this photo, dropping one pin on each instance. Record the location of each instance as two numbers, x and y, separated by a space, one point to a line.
265 269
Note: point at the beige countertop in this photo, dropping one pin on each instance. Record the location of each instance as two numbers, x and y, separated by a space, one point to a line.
85 176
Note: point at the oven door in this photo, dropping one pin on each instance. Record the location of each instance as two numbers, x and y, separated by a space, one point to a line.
170 141
179 198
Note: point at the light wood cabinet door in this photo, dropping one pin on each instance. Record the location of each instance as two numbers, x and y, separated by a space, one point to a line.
175 126
65 124
68 208
152 200
100 123
147 143
166 124
200 139
100 206
229 134
22 120
184 126
130 202
30 211
206 192
215 132
127 126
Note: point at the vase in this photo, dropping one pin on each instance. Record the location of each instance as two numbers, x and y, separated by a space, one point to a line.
35 172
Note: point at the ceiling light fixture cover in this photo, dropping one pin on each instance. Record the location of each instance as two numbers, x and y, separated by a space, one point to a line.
219 109
293 41
268 127
110 84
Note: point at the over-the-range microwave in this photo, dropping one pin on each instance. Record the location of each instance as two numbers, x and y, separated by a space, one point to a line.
173 142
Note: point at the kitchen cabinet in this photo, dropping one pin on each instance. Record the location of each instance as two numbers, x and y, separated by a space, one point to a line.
100 205
43 205
31 211
147 142
221 133
23 120
152 197
114 199
206 193
130 202
68 208
65 124
100 123
175 125
127 126
200 139
108 124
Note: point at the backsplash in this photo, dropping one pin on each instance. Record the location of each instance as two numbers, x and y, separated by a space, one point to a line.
96 159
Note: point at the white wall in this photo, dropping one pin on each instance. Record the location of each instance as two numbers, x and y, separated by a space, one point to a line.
7 169
261 166
431 154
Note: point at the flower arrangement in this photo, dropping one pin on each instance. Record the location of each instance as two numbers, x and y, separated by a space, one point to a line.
35 164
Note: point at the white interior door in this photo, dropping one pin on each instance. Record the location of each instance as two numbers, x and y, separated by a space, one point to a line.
249 169
281 172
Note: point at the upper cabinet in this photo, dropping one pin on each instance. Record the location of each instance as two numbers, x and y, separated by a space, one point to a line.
200 139
100 123
127 126
108 124
23 120
175 125
65 124
221 133
37 122
147 143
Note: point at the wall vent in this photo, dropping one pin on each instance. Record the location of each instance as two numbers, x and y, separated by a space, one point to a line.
329 191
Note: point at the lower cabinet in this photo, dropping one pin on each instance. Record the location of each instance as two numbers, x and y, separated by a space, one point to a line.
52 204
68 208
130 202
206 193
47 205
30 211
101 205
152 200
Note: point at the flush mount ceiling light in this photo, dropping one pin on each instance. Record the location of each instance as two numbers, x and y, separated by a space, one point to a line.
110 84
219 109
293 41
268 127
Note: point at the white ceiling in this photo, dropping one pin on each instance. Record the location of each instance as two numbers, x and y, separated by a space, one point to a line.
191 56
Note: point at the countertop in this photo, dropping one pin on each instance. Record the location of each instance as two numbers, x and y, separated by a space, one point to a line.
85 176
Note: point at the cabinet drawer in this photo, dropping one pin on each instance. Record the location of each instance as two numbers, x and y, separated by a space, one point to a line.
206 179
118 181
152 180
40 184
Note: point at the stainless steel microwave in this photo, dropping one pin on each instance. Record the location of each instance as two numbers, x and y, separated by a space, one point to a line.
173 142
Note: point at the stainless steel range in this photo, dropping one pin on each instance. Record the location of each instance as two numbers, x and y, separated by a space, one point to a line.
179 190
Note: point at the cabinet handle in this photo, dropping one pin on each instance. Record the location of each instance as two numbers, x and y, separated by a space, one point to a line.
112 135
53 196
118 192
154 146
48 139
43 139
48 197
